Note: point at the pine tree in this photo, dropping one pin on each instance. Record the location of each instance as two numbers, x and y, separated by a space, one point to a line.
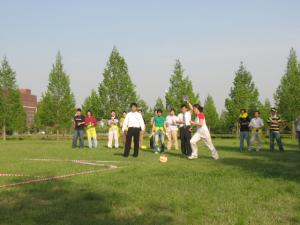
287 96
159 104
116 91
147 113
180 86
223 126
57 105
92 103
211 114
44 119
12 114
243 94
265 111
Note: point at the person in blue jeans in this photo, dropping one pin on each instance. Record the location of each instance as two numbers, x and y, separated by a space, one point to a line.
244 122
78 124
274 124
159 126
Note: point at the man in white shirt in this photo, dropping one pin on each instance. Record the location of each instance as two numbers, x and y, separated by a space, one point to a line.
256 125
133 125
184 121
172 129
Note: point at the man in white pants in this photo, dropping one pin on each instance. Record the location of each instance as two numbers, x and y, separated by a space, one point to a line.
256 126
202 133
113 133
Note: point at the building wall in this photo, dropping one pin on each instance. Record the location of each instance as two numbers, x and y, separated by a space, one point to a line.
29 102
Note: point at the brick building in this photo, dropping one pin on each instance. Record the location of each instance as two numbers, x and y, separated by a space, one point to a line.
29 103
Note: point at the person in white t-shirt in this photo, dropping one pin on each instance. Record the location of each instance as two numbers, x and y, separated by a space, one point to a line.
172 129
256 125
201 133
113 132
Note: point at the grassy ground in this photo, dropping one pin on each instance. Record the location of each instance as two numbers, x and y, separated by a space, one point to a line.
254 188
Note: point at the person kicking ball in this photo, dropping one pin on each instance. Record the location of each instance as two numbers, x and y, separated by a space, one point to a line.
202 133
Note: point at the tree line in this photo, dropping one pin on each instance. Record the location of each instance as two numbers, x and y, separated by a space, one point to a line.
116 91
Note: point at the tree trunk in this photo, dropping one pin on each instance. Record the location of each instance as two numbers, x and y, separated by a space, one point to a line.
293 130
237 130
57 134
4 132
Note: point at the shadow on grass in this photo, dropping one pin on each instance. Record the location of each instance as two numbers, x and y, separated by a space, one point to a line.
269 165
291 148
64 203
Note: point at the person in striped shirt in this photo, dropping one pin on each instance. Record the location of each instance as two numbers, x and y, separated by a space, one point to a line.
274 126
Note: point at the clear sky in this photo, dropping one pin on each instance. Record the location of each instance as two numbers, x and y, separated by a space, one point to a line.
209 37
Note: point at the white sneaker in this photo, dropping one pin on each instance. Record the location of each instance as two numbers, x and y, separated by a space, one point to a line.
215 156
192 157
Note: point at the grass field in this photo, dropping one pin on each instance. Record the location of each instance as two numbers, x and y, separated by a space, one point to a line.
256 188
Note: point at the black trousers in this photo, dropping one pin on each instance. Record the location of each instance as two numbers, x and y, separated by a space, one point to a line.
135 133
185 137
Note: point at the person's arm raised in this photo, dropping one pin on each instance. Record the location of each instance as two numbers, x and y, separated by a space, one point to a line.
190 105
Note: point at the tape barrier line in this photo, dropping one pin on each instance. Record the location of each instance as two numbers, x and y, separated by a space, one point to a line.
68 160
14 175
83 162
45 179
39 179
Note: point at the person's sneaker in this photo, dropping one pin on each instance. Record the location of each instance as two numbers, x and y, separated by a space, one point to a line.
215 156
192 157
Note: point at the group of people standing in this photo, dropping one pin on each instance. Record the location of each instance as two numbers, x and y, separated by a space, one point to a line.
254 127
132 126
80 122
183 122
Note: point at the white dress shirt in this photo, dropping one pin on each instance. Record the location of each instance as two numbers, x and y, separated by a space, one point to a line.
133 119
256 123
187 118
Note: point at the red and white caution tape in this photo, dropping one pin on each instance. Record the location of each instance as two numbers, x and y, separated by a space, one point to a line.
44 179
40 179
12 175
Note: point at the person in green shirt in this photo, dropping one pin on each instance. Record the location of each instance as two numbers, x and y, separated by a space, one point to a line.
159 126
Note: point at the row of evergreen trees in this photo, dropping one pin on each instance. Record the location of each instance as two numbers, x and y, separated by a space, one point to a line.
116 91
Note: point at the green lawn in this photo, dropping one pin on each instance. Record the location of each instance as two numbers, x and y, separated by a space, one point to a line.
254 188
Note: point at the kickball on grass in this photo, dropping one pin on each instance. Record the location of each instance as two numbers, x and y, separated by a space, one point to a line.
163 158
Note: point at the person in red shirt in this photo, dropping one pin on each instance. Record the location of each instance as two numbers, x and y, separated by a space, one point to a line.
201 133
91 123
